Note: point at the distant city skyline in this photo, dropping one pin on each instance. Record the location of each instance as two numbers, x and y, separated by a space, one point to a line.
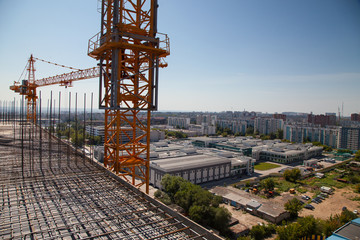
262 56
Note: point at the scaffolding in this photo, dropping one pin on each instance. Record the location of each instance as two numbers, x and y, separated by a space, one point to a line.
51 190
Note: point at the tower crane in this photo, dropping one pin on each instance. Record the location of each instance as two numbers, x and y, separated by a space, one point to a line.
28 87
130 52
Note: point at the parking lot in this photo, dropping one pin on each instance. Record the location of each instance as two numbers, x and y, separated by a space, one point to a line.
333 204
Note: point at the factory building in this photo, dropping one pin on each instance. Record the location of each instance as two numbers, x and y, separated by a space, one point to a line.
196 165
195 168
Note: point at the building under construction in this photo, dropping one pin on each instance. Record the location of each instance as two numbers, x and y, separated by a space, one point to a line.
51 190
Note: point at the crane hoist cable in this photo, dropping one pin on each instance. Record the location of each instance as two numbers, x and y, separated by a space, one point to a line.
27 64
72 68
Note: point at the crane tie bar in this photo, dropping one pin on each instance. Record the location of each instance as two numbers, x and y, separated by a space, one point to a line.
57 64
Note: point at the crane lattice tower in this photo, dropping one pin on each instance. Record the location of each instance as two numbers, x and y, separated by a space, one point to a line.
129 52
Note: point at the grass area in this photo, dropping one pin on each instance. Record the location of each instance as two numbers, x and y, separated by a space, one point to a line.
355 199
265 166
329 181
284 186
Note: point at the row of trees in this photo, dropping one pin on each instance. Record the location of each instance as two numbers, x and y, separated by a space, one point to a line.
303 227
77 134
175 134
308 226
199 204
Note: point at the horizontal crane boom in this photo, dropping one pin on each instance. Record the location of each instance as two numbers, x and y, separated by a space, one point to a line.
67 78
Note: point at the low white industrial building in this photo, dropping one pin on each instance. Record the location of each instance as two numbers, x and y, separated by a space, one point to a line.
285 152
194 168
195 165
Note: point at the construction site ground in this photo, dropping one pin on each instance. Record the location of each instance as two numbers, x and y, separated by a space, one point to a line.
49 190
334 203
244 218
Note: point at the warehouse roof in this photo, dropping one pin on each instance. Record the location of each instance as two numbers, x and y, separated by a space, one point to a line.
190 162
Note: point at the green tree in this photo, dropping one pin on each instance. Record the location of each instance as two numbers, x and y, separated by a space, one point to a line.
171 184
357 156
329 225
309 226
221 218
280 134
272 136
202 214
186 195
77 139
257 232
289 232
293 206
292 175
216 200
268 184
198 214
163 197
94 140
262 231
249 131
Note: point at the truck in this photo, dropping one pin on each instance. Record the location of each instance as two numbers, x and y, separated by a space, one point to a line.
327 190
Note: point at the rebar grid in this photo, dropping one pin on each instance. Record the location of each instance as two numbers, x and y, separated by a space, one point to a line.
49 192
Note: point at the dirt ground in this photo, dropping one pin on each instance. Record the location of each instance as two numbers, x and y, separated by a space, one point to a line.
333 204
244 218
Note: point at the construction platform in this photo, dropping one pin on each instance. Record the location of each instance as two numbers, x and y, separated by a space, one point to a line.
49 190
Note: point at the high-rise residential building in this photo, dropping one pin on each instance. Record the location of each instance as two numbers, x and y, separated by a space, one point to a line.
268 125
279 116
349 138
179 122
355 117
236 126
323 120
298 133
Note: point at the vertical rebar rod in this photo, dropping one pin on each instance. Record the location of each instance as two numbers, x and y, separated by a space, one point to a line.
14 119
50 131
92 130
76 129
29 148
40 135
84 125
58 132
22 136
69 127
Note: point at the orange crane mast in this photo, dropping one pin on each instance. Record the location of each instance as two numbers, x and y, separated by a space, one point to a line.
129 50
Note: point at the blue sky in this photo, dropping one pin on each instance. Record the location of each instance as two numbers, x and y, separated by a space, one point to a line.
268 55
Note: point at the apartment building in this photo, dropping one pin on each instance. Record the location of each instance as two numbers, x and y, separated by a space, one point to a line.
268 125
179 122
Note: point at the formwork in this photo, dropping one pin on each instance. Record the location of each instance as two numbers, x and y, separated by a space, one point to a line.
49 190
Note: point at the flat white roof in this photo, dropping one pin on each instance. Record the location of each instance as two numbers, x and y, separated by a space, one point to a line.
190 162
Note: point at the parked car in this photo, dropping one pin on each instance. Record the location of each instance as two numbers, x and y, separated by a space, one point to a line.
315 201
305 197
318 199
324 194
321 197
309 206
